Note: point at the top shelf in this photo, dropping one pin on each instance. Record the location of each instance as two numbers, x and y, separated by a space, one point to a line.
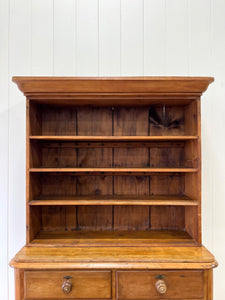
113 138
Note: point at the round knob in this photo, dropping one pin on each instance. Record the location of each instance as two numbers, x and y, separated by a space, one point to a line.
67 287
161 286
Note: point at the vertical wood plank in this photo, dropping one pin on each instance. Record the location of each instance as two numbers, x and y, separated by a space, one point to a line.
54 185
94 121
4 149
87 37
154 37
132 37
210 284
42 37
131 217
131 185
94 218
95 157
131 157
59 121
109 37
52 218
94 185
167 217
64 37
130 121
166 185
58 218
176 37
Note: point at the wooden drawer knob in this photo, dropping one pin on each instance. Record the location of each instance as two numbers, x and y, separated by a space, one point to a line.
161 286
67 285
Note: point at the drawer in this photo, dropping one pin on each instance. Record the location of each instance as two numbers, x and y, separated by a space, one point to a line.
142 284
85 284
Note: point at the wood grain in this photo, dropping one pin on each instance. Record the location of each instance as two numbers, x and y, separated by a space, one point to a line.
141 284
116 170
85 284
19 284
114 200
69 255
112 84
113 238
112 138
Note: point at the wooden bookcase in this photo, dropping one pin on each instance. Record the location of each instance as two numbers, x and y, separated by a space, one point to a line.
113 163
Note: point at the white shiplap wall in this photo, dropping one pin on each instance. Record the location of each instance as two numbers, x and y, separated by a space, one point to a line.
110 37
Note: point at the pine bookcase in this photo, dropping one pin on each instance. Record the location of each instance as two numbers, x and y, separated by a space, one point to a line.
113 189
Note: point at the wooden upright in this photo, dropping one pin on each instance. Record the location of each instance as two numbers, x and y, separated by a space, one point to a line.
113 190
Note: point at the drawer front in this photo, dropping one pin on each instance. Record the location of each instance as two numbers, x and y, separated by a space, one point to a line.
142 284
85 284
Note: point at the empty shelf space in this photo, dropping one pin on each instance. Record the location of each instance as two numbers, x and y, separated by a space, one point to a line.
118 154
113 138
114 238
115 170
115 200
151 120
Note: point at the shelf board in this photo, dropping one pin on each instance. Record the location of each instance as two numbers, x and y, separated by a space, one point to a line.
142 258
114 238
115 200
115 170
113 138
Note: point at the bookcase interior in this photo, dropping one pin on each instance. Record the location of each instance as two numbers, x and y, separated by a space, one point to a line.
69 120
114 175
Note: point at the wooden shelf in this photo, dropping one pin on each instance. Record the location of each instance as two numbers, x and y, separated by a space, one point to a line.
113 138
114 238
139 258
115 170
115 200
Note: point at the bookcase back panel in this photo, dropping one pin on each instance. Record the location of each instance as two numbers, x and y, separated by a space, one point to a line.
60 218
95 157
131 157
58 121
167 185
94 121
112 218
155 155
131 121
94 218
94 185
131 185
167 217
153 134
57 184
159 119
131 218
166 120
